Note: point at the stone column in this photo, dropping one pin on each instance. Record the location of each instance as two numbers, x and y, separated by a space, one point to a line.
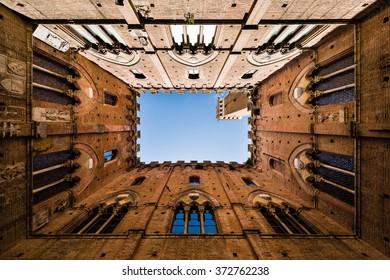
186 217
201 218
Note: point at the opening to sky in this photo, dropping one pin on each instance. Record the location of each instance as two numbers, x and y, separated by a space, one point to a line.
184 127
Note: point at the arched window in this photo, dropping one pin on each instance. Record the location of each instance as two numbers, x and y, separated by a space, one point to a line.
179 220
336 82
249 182
109 155
210 226
194 181
194 219
53 174
102 220
285 220
138 181
334 175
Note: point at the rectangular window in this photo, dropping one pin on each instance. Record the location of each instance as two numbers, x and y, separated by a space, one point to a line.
110 98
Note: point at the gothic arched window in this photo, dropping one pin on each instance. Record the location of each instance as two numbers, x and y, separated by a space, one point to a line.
210 226
102 220
194 219
285 220
179 220
335 175
53 174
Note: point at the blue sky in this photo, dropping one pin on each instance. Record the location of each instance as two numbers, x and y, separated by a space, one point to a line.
184 127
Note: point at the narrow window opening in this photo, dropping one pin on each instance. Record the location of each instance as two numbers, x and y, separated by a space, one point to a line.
179 221
276 99
138 74
249 182
249 74
138 181
256 112
194 220
110 155
194 181
210 227
199 167
193 74
110 98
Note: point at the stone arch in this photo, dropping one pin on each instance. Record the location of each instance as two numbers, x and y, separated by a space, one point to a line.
297 93
88 161
103 217
309 189
124 197
194 196
265 197
88 95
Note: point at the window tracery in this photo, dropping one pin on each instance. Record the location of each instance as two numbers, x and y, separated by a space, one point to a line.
103 219
194 219
328 172
284 219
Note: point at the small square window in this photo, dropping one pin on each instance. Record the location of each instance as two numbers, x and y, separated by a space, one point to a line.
193 74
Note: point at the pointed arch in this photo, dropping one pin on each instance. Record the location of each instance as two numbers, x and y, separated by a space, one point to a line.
192 195
282 216
105 216
194 213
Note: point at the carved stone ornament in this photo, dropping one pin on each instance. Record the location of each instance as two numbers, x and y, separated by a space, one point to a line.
17 68
50 115
12 172
13 85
